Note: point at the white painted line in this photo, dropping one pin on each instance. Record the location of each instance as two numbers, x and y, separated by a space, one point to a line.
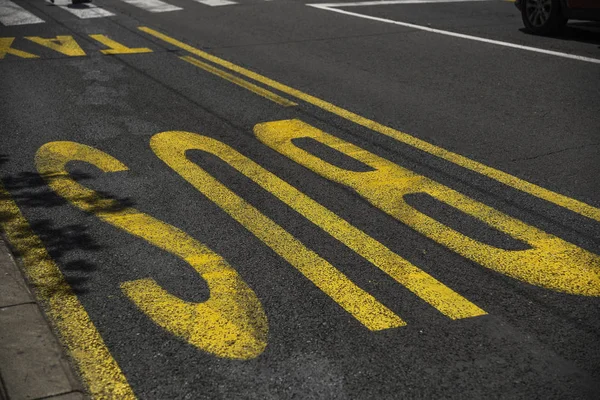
86 10
459 35
154 6
216 3
12 14
387 2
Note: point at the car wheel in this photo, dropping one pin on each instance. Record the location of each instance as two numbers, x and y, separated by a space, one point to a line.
543 17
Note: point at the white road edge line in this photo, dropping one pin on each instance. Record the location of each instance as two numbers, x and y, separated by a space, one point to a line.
387 2
13 14
454 34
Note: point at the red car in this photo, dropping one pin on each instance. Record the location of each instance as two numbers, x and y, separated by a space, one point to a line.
547 17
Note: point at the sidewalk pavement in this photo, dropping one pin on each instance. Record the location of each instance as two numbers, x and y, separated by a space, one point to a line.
33 365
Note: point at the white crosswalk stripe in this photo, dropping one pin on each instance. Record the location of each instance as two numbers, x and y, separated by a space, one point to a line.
155 6
12 14
85 11
216 3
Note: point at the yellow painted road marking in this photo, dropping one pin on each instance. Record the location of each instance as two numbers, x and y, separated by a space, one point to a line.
99 370
550 263
576 206
118 48
240 82
171 148
5 48
63 44
231 323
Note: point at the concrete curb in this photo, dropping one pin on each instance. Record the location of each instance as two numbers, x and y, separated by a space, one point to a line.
33 364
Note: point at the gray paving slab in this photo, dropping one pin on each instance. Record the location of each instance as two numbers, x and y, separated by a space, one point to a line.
32 362
13 289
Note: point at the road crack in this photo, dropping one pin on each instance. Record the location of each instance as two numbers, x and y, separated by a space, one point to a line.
555 152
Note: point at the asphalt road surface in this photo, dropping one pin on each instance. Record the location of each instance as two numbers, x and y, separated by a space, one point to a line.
267 199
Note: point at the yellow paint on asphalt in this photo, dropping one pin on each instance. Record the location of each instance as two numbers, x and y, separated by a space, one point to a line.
6 48
118 48
99 370
63 44
171 148
240 82
574 205
550 262
230 324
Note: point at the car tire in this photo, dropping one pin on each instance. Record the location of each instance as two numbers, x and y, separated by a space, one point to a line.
543 17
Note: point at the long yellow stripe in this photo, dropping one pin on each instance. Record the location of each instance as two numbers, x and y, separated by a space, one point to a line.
99 370
240 82
576 206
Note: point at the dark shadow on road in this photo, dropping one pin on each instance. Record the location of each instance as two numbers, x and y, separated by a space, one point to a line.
31 191
580 31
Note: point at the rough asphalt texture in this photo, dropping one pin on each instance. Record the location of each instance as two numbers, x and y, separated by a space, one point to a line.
531 115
